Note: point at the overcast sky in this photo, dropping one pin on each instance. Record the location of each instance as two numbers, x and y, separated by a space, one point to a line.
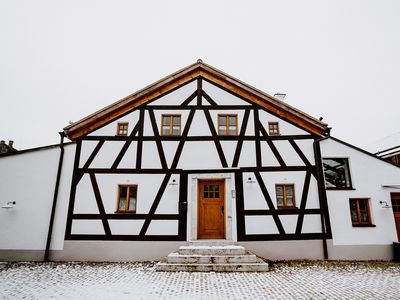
63 60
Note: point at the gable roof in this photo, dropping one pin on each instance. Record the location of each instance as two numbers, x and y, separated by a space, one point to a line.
183 76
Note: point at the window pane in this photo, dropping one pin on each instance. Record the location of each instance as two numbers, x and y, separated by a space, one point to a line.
166 120
362 205
279 190
289 190
176 130
279 200
165 130
122 198
222 120
289 201
222 130
177 120
232 130
132 198
364 217
354 217
336 172
232 121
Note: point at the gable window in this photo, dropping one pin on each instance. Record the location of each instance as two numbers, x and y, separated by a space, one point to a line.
273 128
127 197
227 125
337 174
171 125
285 195
360 214
122 129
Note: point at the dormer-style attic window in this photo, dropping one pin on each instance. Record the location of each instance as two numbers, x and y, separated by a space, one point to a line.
122 129
227 125
171 125
273 128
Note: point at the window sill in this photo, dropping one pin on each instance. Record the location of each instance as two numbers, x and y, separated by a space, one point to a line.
339 189
287 207
125 212
364 225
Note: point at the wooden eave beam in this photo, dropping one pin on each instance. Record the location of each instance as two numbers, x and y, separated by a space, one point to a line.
181 77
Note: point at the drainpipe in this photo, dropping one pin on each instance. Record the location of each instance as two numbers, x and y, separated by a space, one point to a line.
53 209
321 188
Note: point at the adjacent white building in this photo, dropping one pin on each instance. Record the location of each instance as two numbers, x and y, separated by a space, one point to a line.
198 155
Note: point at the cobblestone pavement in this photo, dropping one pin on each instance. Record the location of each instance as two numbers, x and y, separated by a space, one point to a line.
286 280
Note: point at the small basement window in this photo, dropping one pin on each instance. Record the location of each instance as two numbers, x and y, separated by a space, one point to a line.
360 213
285 195
227 125
122 129
337 174
273 128
127 198
171 125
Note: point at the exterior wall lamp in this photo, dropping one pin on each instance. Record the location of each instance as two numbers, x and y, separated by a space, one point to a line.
249 180
10 204
384 204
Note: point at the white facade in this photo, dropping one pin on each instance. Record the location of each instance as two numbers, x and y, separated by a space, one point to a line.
168 173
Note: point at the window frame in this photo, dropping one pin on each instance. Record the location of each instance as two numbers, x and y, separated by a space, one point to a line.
350 182
126 210
360 223
277 128
285 206
171 124
119 125
227 116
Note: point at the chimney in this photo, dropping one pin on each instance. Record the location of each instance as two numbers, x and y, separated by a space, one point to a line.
280 96
10 143
2 142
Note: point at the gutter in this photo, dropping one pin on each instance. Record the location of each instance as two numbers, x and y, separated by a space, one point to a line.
321 189
53 209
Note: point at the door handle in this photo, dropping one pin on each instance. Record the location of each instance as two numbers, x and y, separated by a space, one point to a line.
222 210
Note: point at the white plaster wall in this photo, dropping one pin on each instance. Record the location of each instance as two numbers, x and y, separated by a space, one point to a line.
148 185
285 128
368 174
254 199
111 128
221 97
29 179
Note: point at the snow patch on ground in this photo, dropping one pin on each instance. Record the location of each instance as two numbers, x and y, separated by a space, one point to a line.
286 280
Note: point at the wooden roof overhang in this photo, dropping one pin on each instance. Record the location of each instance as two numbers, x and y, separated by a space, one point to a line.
179 78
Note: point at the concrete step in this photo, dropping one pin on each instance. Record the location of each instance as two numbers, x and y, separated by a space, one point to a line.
259 266
176 258
211 243
212 250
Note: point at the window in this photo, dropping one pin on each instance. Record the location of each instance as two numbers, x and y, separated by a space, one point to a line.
285 195
122 128
127 196
227 124
273 128
360 215
171 125
337 175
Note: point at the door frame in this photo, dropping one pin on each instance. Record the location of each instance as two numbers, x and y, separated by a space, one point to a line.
221 182
230 211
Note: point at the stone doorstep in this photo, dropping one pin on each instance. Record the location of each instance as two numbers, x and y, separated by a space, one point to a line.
176 258
211 243
212 250
259 266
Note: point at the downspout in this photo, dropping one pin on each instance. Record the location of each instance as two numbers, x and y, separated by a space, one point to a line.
53 209
321 188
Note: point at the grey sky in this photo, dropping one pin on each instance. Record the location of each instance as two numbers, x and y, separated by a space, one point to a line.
62 60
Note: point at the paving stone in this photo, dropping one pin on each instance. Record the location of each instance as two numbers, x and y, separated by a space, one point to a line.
288 280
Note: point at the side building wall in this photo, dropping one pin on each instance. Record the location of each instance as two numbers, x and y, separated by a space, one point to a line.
368 176
29 179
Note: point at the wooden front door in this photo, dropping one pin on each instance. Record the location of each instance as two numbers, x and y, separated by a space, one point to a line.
396 211
211 209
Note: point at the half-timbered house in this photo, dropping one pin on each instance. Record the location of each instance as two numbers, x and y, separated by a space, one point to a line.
198 156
